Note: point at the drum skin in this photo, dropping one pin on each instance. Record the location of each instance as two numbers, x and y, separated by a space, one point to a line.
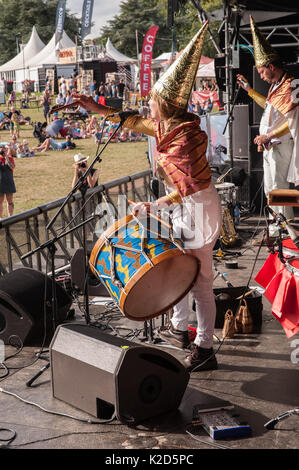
153 278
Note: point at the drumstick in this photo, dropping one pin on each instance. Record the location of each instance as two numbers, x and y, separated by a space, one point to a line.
152 215
55 109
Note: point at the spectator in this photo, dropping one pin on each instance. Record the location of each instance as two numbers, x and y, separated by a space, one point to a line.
14 121
46 104
60 100
80 168
55 127
121 88
11 99
69 98
51 144
7 184
13 145
63 88
28 152
93 87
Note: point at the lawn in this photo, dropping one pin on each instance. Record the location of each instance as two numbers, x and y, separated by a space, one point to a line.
48 176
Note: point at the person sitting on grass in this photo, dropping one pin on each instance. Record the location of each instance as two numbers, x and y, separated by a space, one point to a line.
52 144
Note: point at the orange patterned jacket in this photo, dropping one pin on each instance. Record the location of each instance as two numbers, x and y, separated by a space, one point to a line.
182 152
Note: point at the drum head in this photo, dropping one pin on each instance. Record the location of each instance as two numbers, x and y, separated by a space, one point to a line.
161 287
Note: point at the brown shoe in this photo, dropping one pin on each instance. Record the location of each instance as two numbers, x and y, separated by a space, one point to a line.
176 337
264 241
201 359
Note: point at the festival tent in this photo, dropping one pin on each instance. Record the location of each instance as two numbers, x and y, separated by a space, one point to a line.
206 70
112 52
124 63
49 55
21 60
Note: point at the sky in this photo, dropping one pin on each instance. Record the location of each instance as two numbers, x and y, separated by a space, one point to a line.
103 11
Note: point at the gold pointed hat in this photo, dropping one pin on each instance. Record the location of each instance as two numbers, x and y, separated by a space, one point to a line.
176 83
264 53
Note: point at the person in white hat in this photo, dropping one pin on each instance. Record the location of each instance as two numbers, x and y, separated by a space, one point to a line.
80 167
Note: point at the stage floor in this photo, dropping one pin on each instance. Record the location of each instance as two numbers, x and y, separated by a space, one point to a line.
256 375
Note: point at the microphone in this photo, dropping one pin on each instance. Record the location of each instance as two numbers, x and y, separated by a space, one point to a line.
291 231
123 115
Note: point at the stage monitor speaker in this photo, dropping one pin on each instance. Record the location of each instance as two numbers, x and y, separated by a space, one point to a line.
105 375
240 131
22 311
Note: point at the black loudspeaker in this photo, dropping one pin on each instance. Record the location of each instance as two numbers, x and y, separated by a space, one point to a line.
240 131
251 193
102 374
22 310
220 72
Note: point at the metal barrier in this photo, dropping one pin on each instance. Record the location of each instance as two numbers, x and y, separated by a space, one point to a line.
25 232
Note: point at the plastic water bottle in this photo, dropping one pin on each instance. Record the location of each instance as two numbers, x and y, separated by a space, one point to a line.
237 215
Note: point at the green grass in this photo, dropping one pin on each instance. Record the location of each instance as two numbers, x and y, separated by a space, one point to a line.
48 176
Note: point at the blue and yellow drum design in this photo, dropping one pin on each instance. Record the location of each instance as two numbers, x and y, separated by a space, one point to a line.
145 272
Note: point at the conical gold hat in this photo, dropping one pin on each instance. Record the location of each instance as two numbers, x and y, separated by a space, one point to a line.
176 83
264 53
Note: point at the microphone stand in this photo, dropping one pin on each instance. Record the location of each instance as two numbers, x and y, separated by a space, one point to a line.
80 185
50 245
230 116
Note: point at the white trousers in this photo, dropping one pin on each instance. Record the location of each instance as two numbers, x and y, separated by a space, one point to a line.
204 209
202 294
276 166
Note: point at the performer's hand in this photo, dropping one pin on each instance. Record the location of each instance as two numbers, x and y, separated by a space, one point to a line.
85 101
243 82
261 139
141 209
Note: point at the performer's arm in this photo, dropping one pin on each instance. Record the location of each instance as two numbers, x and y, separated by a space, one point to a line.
279 132
136 123
257 97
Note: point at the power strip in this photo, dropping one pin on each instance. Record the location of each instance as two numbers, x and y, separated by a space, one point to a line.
222 424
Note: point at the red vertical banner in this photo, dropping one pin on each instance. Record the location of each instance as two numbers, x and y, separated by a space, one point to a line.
146 60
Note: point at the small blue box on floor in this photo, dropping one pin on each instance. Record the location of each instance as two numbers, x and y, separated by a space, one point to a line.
223 424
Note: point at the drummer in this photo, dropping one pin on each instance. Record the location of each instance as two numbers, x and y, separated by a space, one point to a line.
181 146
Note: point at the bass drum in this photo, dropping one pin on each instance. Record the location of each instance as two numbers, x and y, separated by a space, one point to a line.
143 267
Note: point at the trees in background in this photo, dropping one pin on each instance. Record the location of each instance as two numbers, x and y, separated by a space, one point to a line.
18 18
140 15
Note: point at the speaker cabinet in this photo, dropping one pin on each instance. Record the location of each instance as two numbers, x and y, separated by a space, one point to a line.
240 131
22 304
251 193
102 374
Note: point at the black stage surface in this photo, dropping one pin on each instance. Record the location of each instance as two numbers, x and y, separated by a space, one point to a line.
255 374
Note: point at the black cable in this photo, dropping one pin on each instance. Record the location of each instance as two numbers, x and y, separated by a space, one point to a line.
8 440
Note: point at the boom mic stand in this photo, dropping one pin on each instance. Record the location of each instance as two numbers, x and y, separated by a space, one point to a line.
230 116
79 185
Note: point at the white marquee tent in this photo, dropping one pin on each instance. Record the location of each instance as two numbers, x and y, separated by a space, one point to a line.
116 55
31 49
49 55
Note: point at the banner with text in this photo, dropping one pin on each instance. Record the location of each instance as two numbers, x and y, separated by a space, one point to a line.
86 18
146 60
60 17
